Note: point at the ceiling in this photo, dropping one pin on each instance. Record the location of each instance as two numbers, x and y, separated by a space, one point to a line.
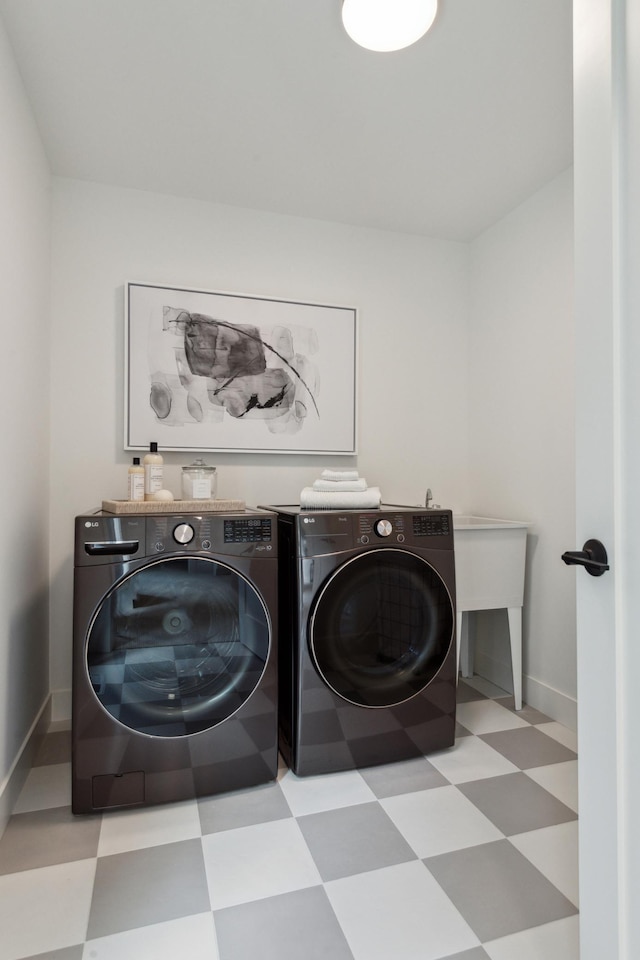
267 104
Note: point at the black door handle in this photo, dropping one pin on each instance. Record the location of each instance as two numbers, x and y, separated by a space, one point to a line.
593 557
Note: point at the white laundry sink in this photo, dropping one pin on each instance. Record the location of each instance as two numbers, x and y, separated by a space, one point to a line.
486 523
489 562
490 566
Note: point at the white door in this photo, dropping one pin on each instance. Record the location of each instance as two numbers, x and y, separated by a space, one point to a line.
607 237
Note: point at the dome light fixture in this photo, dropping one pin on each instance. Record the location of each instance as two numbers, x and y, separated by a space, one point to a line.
385 25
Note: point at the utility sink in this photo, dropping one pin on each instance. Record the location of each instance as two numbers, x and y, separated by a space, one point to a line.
490 566
486 523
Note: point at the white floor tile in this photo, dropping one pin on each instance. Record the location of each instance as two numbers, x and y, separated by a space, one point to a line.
193 937
439 820
257 861
328 792
385 912
45 909
554 851
487 716
560 779
146 827
552 941
471 759
399 911
569 738
45 787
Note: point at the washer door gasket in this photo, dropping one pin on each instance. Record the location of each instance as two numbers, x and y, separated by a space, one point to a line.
178 646
381 627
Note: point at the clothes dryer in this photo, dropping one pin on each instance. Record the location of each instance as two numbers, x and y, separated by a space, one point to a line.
367 636
174 657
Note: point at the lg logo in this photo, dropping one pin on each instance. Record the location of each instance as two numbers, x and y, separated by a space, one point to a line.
309 520
92 523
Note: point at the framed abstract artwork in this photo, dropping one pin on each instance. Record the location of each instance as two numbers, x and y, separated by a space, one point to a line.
236 373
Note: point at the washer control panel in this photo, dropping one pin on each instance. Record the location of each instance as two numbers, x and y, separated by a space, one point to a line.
104 538
235 535
247 530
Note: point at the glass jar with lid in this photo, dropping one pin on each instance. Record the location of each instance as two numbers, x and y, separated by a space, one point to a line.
199 482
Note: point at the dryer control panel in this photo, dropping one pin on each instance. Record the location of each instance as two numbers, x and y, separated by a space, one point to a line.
431 525
322 532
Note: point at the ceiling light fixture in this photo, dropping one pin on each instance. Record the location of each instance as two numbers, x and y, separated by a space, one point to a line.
385 25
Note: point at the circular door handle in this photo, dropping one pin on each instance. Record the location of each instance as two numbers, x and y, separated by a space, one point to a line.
593 557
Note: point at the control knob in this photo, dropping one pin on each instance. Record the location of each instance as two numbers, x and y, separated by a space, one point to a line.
183 533
383 528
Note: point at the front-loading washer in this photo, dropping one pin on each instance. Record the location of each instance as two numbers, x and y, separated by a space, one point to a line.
367 636
174 656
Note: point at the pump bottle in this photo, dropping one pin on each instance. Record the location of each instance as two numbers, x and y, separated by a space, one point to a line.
153 472
135 481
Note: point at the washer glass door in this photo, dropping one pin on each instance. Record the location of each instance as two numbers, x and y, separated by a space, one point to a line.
178 646
381 627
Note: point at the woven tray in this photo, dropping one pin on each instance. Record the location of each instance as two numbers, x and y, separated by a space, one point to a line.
171 506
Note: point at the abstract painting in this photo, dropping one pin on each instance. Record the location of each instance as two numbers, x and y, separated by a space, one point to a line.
238 373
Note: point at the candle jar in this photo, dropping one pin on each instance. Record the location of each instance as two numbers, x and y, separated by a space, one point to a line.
199 482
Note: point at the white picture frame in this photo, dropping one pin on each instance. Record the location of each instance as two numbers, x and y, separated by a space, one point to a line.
238 373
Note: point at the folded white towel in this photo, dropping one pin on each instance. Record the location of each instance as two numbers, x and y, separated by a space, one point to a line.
334 486
368 499
339 475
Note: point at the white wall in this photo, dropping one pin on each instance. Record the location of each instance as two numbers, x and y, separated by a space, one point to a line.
412 297
25 202
521 428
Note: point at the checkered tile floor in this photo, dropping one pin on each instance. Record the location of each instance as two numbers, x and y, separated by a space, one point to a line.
468 854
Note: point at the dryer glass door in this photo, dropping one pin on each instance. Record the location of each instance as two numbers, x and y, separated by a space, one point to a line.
178 646
381 627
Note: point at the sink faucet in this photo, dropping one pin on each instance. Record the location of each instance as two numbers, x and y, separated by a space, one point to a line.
428 499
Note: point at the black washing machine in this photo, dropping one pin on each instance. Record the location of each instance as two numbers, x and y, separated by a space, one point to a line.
174 657
367 636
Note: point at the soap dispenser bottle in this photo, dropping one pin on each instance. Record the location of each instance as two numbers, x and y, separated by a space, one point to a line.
135 481
153 472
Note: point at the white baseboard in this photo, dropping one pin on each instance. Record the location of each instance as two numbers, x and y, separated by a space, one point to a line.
60 705
556 704
14 781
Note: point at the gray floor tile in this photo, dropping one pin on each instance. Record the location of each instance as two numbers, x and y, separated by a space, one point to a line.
478 953
466 692
526 747
148 886
530 714
352 840
55 748
243 808
485 687
287 927
65 953
46 837
516 804
409 776
462 731
497 890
